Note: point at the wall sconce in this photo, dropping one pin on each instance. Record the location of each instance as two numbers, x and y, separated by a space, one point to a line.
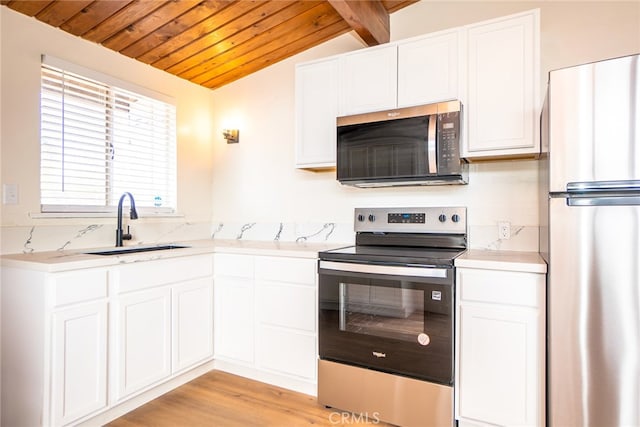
231 135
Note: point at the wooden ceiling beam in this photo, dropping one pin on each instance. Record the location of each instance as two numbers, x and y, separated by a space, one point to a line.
369 19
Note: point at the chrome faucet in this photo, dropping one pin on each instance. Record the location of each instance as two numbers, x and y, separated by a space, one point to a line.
120 235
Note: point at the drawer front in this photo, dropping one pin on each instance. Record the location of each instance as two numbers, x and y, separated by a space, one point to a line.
132 277
501 287
234 265
289 270
79 286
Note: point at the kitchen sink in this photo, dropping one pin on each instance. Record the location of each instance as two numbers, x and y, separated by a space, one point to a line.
133 250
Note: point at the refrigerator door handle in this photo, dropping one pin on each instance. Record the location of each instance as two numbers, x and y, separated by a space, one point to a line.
604 201
599 186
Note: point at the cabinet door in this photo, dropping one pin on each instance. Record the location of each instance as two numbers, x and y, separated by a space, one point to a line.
192 317
499 362
428 69
143 339
503 72
369 80
316 112
79 364
234 318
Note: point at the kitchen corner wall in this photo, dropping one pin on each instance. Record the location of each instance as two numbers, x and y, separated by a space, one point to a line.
23 40
255 183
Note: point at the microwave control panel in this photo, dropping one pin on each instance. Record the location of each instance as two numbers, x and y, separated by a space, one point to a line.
448 150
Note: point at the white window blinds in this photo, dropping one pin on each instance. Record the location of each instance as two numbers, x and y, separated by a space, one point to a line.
99 140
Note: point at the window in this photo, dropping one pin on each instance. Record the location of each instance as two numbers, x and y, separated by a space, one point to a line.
101 137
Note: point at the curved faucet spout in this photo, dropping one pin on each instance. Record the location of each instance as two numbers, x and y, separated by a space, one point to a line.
120 235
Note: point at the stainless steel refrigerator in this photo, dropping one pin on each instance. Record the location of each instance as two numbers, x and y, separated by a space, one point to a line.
590 236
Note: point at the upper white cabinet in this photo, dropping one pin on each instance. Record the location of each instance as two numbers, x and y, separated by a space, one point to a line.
368 80
493 67
502 106
428 69
316 112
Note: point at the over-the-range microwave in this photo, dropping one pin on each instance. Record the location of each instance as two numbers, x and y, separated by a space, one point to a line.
407 146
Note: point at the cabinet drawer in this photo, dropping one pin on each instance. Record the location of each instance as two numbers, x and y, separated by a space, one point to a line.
234 265
501 287
78 286
134 277
289 270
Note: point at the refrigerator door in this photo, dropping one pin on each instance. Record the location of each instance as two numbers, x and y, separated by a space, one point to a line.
594 314
594 122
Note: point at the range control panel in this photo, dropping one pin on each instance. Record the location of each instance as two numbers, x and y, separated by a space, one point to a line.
411 220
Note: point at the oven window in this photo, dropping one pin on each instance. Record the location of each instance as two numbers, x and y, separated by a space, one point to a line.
382 311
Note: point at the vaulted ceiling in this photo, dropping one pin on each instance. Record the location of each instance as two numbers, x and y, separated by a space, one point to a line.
213 42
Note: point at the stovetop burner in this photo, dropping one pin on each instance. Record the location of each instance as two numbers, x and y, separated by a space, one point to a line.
393 255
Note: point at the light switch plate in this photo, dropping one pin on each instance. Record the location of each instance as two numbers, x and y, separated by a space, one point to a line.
10 194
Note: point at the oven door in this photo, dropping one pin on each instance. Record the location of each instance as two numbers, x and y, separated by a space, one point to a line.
390 318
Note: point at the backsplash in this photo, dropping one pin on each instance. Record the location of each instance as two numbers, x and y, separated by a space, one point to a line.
38 238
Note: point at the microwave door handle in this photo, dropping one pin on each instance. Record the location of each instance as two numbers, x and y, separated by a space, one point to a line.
431 144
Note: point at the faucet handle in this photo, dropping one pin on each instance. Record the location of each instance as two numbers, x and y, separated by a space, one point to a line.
127 235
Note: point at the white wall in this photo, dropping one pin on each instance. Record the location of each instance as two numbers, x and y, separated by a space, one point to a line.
23 40
255 180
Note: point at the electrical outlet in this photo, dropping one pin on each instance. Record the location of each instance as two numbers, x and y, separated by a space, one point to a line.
504 230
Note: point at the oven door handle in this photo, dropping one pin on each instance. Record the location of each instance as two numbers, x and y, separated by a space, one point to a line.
384 269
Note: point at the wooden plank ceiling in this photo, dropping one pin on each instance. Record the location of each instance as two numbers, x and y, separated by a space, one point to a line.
213 42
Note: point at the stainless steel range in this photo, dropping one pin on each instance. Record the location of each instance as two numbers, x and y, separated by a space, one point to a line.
386 313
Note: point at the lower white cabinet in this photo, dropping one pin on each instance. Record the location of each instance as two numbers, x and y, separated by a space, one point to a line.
77 343
500 347
234 320
79 361
265 318
192 323
144 339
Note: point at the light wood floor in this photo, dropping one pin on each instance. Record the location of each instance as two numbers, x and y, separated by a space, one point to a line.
221 399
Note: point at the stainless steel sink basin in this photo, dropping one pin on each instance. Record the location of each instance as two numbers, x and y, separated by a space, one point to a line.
133 250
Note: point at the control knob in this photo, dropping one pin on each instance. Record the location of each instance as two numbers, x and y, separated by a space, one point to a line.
372 217
360 218
442 218
455 218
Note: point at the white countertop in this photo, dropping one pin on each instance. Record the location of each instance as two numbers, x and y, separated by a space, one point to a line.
76 259
526 262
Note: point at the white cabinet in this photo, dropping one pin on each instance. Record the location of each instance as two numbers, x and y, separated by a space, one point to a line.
500 347
162 322
316 112
428 69
265 319
54 346
144 339
502 101
286 316
234 319
493 67
77 343
368 80
79 361
192 318
234 308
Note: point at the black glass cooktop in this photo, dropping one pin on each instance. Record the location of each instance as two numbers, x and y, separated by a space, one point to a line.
392 255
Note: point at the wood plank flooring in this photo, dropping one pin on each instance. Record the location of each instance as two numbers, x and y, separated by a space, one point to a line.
222 399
